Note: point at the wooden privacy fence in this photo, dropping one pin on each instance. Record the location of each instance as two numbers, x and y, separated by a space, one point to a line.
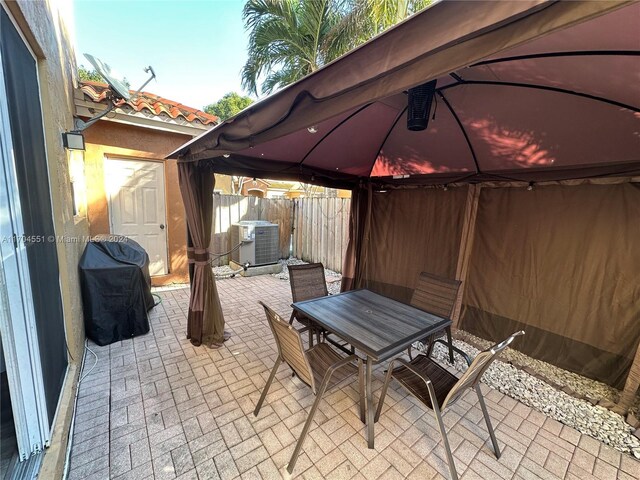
230 209
320 225
321 230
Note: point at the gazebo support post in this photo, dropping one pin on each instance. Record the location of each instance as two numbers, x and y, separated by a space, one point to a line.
628 394
466 245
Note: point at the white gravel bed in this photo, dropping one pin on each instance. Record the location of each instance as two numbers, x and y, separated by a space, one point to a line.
223 271
582 386
595 421
333 278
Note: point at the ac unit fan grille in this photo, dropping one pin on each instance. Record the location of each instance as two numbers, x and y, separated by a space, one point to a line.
266 245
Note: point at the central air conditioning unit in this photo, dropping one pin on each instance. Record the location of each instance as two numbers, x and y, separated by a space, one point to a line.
260 242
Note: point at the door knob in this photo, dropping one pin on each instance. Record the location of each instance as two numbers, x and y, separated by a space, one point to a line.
161 226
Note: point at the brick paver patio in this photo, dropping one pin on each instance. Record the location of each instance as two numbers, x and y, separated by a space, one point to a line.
157 407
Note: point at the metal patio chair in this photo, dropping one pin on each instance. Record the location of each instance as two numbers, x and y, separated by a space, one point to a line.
320 367
308 282
436 295
437 388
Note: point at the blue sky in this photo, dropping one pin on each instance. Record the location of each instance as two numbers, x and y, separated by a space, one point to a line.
196 47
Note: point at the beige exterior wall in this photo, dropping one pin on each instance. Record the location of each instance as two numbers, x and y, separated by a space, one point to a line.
223 184
106 139
42 25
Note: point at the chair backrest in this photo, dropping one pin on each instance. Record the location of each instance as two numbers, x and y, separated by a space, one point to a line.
290 346
477 368
436 295
307 281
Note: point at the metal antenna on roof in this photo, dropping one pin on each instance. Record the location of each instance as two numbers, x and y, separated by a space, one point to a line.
153 75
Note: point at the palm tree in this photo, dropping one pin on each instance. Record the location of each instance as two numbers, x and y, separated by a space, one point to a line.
289 39
384 13
367 18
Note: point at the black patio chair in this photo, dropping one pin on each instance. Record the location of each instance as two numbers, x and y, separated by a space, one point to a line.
437 388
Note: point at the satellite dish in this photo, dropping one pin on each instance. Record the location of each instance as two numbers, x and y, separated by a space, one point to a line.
119 91
118 88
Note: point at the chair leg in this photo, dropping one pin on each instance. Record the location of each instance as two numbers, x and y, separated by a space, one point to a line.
307 425
293 316
443 432
267 386
369 395
430 347
362 393
383 394
409 352
310 337
450 340
496 448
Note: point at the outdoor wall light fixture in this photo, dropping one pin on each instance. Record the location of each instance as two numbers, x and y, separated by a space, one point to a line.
73 140
226 155
312 129
530 186
419 106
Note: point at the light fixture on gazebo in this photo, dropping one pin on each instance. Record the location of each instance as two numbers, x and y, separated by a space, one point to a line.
419 105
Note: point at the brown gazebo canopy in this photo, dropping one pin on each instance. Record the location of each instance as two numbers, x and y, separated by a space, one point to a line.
545 93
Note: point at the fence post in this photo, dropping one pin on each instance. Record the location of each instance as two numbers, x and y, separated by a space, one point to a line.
294 208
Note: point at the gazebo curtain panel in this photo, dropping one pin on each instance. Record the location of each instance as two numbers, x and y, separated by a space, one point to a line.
205 321
559 261
411 230
562 262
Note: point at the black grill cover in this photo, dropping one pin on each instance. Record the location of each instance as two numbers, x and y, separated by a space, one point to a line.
116 289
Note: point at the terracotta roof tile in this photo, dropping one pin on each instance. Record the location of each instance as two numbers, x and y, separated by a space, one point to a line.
97 92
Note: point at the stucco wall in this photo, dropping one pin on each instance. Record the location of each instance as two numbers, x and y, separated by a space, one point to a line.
106 139
42 24
223 184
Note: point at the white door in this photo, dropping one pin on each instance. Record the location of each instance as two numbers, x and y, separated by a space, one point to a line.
135 190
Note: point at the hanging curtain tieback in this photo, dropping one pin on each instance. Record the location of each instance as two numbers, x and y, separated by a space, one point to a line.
198 256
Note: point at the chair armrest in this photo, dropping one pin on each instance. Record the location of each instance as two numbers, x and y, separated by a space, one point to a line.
341 363
409 367
463 354
303 329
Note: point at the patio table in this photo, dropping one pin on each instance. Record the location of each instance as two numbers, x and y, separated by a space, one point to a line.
378 327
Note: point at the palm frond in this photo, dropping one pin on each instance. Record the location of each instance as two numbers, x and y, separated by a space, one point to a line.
288 39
